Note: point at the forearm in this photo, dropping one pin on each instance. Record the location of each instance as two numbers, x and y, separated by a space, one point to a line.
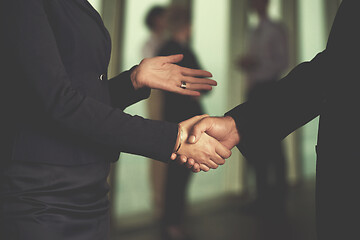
291 103
122 90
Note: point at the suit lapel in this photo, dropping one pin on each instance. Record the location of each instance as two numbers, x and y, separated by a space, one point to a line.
86 6
91 10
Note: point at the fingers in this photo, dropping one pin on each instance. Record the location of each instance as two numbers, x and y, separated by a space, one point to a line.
192 89
198 87
190 163
195 72
173 58
196 168
204 168
222 151
205 81
200 127
186 92
217 160
182 159
211 163
173 156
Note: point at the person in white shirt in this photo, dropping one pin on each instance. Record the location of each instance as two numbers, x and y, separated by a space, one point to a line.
263 63
267 53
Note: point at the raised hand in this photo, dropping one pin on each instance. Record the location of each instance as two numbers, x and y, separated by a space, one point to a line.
207 151
162 73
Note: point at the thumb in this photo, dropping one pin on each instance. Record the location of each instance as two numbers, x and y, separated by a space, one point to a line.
198 129
174 58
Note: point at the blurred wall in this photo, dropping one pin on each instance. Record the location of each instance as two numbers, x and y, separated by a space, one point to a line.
132 188
312 39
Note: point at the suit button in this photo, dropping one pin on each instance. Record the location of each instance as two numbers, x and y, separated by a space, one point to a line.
102 77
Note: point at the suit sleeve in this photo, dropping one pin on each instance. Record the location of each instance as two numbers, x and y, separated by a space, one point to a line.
300 96
123 93
32 46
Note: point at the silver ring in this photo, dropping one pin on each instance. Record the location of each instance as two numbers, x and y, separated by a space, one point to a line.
183 85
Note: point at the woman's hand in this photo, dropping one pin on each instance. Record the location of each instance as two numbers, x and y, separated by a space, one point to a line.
162 73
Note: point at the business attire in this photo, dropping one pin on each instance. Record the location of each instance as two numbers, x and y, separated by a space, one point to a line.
177 108
325 86
267 45
63 122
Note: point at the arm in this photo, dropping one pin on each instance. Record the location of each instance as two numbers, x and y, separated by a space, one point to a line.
306 90
122 91
32 50
291 103
297 98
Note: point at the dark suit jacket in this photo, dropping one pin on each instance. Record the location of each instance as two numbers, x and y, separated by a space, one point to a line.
326 86
57 104
178 108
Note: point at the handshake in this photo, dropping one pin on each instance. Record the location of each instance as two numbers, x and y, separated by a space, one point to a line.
205 142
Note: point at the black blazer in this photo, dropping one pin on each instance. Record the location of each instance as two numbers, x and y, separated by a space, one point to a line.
178 108
59 106
326 86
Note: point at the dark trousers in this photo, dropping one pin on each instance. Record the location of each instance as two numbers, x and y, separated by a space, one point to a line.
269 166
268 161
175 194
177 108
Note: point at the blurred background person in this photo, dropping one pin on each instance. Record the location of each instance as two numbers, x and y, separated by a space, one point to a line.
264 62
156 23
177 108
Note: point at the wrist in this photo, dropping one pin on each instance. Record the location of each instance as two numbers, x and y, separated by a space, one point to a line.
134 76
179 139
234 131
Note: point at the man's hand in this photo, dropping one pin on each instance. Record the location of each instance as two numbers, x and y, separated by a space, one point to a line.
207 151
162 73
221 128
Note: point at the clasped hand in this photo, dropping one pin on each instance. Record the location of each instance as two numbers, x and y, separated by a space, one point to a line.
207 142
